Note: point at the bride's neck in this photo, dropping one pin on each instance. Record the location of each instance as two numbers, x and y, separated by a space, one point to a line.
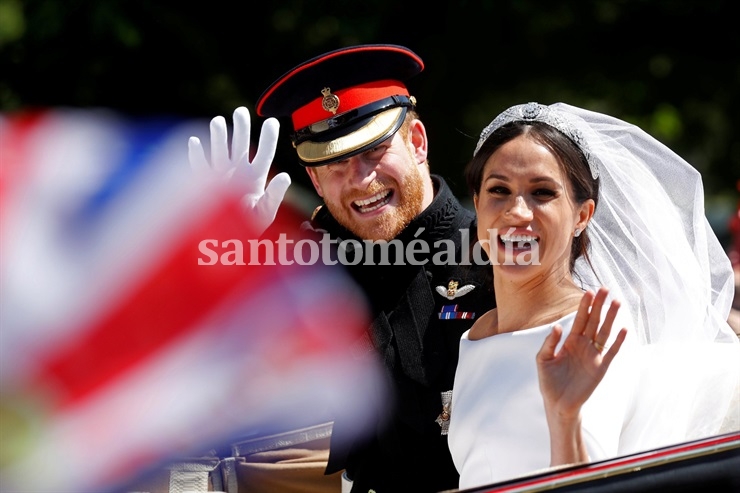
535 302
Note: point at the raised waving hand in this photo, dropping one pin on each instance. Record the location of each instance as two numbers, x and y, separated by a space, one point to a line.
569 376
261 200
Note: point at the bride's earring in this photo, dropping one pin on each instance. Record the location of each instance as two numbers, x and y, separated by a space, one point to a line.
577 232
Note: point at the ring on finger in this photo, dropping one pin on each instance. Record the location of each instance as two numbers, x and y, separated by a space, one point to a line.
599 346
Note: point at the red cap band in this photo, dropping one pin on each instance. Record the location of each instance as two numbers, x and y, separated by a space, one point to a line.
349 99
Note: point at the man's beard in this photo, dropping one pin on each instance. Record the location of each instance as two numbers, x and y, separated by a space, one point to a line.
410 197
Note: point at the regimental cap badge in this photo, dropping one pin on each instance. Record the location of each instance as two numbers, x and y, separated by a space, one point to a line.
330 101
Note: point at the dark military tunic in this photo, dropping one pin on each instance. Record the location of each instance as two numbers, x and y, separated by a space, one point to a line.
419 313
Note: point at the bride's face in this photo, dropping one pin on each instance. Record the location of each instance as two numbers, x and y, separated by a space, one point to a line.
526 209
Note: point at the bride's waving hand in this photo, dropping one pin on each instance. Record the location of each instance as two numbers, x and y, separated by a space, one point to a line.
568 376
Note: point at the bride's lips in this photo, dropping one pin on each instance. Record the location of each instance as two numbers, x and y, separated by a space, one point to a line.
370 204
517 240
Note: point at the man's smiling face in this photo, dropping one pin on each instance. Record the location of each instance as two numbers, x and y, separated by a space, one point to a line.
377 193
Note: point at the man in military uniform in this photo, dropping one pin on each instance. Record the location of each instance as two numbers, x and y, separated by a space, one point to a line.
358 135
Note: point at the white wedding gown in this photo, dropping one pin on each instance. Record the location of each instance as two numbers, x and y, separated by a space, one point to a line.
497 426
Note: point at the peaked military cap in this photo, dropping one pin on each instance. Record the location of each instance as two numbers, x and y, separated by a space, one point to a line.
343 102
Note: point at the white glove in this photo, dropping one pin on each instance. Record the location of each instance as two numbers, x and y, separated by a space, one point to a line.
260 203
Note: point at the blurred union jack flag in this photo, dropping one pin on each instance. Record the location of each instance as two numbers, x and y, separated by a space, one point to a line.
117 350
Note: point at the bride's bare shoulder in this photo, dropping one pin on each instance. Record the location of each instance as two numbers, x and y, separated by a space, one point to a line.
486 325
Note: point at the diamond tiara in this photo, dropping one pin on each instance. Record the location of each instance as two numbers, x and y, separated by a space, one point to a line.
531 112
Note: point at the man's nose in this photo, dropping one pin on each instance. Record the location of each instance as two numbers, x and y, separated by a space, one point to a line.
361 171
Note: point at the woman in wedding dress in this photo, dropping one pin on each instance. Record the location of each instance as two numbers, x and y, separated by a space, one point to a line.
610 334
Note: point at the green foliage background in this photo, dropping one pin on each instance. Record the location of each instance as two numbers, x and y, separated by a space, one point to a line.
670 66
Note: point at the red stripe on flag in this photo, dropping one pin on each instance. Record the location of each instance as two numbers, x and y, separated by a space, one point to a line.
14 168
167 304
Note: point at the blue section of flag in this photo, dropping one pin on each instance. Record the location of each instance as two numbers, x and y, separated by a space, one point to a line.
142 139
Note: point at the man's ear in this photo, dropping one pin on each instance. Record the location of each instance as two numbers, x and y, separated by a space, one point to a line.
418 140
313 174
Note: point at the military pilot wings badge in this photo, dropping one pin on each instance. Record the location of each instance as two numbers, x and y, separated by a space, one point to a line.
451 292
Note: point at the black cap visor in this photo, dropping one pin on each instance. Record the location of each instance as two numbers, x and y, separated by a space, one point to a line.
350 139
